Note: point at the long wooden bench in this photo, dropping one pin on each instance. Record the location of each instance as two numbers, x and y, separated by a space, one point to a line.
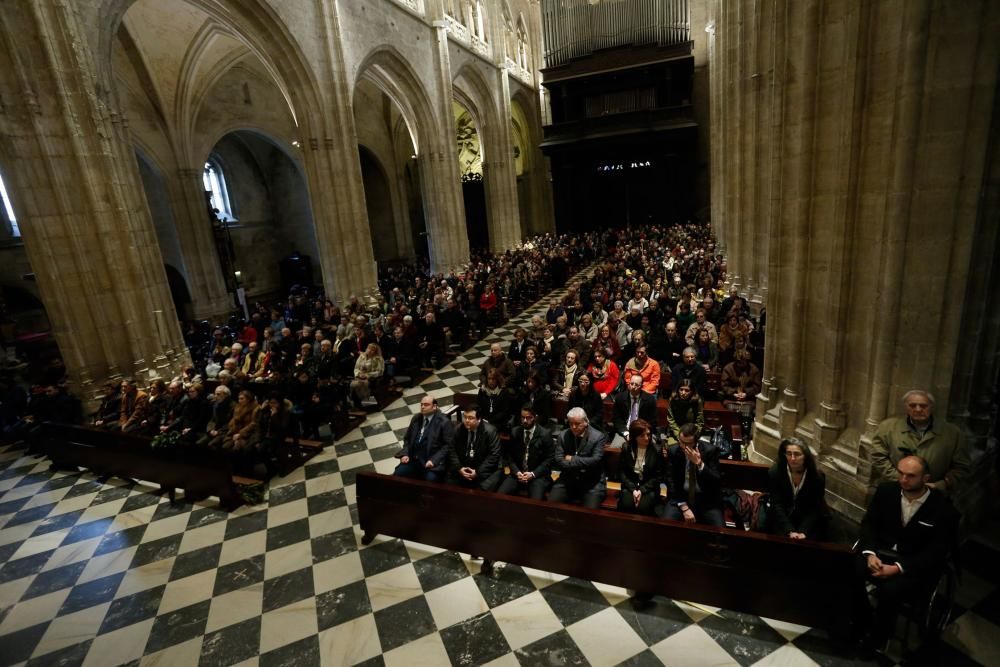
802 582
200 473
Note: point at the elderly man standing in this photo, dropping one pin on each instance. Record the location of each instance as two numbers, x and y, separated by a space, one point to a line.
921 434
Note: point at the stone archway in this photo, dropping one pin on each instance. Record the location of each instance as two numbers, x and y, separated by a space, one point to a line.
472 92
433 152
274 217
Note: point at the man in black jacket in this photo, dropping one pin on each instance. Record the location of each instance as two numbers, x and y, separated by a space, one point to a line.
426 443
529 457
906 536
695 492
474 455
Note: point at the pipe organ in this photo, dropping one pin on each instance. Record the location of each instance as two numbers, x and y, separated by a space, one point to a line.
575 28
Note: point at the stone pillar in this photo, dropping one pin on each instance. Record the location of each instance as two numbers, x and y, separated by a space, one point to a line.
209 297
542 204
855 141
86 226
333 171
444 208
498 174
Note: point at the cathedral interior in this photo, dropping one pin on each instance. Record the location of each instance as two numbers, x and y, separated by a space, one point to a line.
167 164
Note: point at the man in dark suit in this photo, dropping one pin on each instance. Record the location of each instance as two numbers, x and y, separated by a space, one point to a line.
474 455
906 535
529 457
425 445
695 489
633 404
579 458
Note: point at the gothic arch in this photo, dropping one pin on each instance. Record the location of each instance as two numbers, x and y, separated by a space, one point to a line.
472 91
254 23
388 70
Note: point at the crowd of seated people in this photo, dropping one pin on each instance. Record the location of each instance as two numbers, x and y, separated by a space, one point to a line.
648 311
326 358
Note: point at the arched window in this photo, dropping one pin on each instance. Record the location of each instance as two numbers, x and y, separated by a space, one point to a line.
8 209
480 20
522 45
215 182
475 18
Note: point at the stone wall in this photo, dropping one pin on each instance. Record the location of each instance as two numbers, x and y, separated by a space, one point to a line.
851 142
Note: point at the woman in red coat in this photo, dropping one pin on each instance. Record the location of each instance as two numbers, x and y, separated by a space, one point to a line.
488 308
605 373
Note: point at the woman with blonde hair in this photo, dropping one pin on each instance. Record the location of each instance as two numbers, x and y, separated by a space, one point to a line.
369 368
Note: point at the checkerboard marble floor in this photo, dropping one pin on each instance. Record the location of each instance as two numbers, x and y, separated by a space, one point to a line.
108 573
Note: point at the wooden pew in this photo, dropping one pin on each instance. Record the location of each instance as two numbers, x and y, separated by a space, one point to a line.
802 582
734 475
199 472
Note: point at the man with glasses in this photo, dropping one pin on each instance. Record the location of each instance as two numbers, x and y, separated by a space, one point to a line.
425 445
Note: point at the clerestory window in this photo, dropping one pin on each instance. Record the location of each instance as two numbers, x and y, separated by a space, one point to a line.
8 210
215 182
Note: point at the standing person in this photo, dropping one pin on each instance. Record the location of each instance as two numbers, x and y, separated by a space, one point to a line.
643 469
579 458
920 433
425 444
906 536
797 490
529 457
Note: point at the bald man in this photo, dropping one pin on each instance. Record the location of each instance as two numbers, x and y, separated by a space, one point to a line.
906 535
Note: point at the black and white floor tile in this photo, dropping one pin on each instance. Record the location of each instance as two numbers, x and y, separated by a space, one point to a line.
108 573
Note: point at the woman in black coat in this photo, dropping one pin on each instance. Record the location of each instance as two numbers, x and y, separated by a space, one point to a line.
641 482
797 490
584 396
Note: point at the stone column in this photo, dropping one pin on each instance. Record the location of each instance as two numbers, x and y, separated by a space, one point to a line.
444 208
209 297
498 173
86 226
855 147
542 204
333 170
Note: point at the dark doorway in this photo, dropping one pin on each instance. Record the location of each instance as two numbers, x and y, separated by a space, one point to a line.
179 292
474 194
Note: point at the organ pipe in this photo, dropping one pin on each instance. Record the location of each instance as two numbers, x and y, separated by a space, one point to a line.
575 28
